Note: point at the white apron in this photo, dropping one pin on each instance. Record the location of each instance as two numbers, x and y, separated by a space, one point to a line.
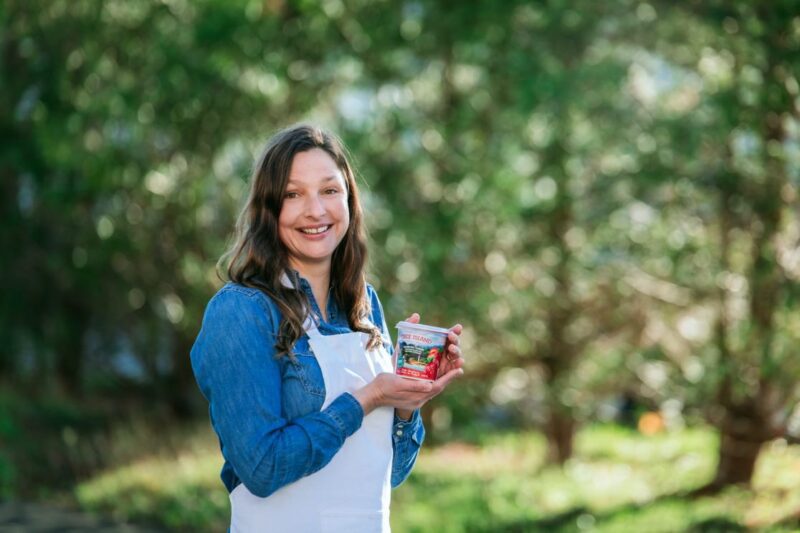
351 493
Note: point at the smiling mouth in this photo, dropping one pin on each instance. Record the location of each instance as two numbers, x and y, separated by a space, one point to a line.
315 231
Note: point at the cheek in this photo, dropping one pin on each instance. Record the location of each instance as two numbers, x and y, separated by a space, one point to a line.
285 222
286 216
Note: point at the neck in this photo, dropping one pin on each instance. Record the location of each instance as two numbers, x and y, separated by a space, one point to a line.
319 277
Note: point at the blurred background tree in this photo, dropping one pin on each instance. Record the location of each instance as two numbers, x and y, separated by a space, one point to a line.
128 130
736 116
605 195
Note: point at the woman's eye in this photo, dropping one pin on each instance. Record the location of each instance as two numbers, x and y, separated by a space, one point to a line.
291 194
331 191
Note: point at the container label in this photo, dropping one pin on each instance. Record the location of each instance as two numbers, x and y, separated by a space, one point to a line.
418 355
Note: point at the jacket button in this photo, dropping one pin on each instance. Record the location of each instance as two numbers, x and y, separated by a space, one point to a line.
399 432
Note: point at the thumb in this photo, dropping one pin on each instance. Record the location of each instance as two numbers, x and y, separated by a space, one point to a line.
414 318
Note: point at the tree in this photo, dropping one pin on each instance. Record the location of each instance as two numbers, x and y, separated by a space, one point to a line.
126 131
741 101
476 146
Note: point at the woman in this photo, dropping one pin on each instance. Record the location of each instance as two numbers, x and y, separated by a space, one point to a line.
294 355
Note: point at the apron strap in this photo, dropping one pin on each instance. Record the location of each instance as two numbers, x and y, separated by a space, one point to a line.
310 324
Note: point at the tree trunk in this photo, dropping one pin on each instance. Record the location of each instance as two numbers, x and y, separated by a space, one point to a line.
741 439
744 430
70 329
182 388
737 460
560 432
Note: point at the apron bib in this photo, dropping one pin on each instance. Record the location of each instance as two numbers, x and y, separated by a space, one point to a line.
351 493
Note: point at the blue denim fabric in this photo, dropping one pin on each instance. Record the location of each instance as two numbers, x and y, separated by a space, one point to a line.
265 410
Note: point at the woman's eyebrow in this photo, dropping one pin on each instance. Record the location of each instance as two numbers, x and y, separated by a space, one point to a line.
300 182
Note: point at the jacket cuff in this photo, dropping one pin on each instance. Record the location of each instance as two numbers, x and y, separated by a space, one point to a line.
405 428
347 413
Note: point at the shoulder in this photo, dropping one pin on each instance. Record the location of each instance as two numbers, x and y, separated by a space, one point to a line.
371 292
239 326
374 300
234 299
377 316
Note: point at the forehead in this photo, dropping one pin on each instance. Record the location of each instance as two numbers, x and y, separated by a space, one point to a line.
314 166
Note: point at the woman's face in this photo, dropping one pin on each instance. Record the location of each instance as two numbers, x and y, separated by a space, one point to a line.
314 214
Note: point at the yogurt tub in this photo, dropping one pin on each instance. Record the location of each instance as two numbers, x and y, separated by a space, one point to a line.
419 350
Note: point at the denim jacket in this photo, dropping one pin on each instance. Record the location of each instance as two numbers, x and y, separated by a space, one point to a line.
266 410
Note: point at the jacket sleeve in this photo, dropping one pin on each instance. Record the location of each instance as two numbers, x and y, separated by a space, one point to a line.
407 435
234 363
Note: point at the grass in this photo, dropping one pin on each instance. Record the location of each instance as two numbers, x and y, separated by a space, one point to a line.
178 489
618 481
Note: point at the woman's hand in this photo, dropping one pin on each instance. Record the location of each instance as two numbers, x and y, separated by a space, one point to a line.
407 395
451 359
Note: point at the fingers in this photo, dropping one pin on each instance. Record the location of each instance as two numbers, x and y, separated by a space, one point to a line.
453 340
455 362
440 384
413 394
450 365
453 352
406 386
414 385
414 318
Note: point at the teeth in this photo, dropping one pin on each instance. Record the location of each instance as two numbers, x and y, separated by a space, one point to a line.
314 231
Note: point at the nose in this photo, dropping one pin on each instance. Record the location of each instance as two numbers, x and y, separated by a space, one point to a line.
315 207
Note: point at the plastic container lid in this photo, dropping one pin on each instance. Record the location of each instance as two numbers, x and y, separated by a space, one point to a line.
422 327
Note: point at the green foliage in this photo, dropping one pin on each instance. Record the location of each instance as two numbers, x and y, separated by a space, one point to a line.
45 444
618 480
127 132
180 493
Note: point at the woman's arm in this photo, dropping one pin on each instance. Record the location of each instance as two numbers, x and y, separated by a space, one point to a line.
234 363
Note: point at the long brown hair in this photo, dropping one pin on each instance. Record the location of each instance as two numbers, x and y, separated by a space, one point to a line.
258 258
